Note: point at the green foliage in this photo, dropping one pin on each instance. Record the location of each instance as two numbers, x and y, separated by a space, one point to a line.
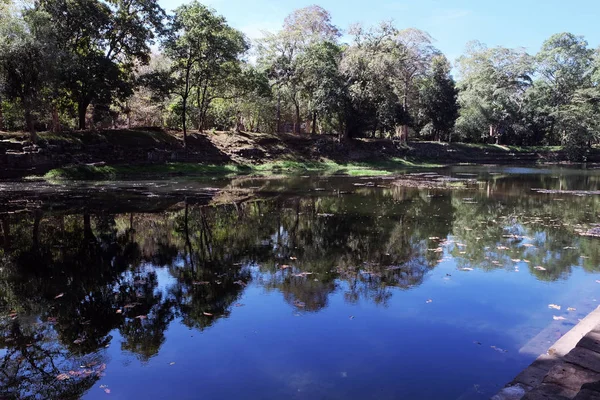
59 57
206 59
98 46
492 92
439 100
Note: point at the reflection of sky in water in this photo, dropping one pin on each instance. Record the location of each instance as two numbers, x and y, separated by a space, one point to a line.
267 349
414 294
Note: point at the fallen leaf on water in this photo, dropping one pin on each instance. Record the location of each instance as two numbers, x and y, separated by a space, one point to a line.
558 318
59 296
554 306
207 314
499 350
62 377
571 309
299 303
466 269
540 268
429 301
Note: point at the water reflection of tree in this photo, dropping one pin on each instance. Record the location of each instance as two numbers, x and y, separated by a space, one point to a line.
84 275
35 357
537 228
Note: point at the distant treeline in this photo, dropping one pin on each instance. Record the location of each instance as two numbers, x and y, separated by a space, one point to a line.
75 64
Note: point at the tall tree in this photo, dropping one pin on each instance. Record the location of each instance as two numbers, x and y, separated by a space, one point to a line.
279 53
417 53
372 67
206 54
25 60
492 91
322 83
565 64
100 44
439 99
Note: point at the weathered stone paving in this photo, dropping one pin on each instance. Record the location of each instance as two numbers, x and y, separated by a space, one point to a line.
569 370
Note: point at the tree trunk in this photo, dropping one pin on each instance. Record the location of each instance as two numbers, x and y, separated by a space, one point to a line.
184 99
88 234
55 119
82 107
297 125
238 122
314 123
278 112
1 117
30 126
6 233
37 217
343 134
184 121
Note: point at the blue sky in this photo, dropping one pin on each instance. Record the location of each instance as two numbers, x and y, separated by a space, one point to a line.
452 23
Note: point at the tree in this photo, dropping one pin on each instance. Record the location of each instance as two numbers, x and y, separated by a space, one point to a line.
205 54
566 90
100 44
25 62
439 99
372 69
310 25
493 89
417 53
322 83
281 54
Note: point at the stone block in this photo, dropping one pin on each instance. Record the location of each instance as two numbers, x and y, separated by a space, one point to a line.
585 358
531 376
548 391
571 376
591 341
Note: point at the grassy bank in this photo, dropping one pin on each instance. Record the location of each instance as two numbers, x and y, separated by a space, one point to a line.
125 154
157 171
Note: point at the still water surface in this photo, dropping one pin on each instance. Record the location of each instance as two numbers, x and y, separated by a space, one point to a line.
296 288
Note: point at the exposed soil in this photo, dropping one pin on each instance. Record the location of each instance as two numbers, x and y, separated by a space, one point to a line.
151 145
